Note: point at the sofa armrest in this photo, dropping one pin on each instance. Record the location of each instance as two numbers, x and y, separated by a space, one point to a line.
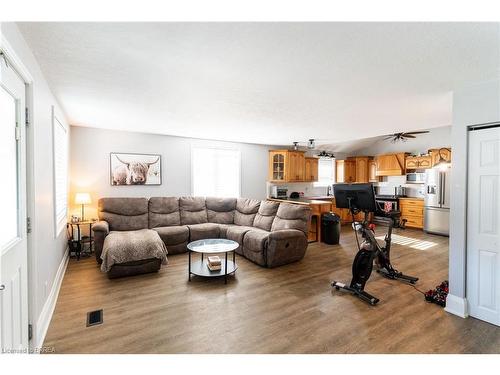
101 230
285 246
100 226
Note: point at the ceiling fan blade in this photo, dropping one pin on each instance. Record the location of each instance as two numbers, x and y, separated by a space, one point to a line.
419 132
408 136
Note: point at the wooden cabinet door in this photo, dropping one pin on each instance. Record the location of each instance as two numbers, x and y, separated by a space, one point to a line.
412 162
424 162
278 166
372 171
361 169
350 171
314 169
296 166
301 162
307 173
340 170
391 165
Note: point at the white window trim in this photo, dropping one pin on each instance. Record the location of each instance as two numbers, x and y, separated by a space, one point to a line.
194 146
332 181
61 224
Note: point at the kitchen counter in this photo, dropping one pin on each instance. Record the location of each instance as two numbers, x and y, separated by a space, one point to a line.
307 201
411 198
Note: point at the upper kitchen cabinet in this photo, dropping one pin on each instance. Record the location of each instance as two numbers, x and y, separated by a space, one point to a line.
287 166
362 168
372 171
391 164
418 162
444 152
346 170
311 169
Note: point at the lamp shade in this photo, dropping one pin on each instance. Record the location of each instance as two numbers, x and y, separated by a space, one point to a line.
82 198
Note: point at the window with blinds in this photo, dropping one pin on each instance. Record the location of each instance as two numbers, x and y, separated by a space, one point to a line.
60 174
215 172
326 172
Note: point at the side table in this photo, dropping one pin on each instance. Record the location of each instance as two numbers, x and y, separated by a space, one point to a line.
77 243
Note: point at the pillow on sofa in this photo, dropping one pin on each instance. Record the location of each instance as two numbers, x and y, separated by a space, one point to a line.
246 209
265 217
292 216
193 210
220 210
164 212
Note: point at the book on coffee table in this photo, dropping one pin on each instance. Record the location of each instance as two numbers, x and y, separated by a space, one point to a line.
216 267
214 260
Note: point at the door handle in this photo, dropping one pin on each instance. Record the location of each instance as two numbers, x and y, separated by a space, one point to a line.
2 287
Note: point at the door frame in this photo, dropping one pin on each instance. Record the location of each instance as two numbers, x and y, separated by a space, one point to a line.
16 63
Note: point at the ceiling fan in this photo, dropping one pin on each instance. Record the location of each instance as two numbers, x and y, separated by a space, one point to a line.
403 137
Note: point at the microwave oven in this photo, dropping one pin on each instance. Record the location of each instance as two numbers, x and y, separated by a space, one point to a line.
415 178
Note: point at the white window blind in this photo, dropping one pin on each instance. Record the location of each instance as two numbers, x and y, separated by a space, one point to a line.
326 172
60 175
215 172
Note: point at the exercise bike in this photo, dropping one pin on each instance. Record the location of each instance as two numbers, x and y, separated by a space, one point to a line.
361 198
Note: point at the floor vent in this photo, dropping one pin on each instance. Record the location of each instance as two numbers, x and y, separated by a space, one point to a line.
94 318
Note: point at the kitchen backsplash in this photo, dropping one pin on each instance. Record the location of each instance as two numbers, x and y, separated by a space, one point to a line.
384 187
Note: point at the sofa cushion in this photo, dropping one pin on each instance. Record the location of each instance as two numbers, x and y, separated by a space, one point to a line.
203 231
292 216
193 210
237 233
254 246
124 213
246 209
265 216
164 211
223 229
173 235
220 210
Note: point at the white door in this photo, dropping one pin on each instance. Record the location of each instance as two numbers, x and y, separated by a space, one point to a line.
483 225
13 241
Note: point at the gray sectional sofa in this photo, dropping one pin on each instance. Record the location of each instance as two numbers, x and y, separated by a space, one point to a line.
269 233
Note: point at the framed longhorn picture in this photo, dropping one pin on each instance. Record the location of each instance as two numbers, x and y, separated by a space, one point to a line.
135 169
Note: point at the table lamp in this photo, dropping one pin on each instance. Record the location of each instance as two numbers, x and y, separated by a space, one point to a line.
83 199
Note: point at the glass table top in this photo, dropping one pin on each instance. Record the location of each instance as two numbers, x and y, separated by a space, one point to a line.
213 246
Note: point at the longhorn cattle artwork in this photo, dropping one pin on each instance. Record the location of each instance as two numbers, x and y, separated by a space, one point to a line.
135 169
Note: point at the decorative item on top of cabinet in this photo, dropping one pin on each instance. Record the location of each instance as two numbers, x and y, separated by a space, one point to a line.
346 170
286 165
418 162
391 164
445 153
311 169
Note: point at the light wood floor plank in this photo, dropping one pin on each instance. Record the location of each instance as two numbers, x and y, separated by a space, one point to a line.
290 309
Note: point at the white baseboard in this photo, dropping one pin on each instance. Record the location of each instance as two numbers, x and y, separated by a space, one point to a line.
42 324
456 306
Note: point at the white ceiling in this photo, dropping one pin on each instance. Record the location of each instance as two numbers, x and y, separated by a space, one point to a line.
269 83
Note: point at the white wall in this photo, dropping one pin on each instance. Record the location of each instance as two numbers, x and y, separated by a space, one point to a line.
90 150
475 104
48 251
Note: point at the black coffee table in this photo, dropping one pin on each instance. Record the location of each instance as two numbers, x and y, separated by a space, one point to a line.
212 246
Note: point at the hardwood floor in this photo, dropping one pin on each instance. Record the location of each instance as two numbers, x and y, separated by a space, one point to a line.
290 309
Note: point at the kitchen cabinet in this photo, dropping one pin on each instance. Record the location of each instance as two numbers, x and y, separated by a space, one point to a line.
362 170
445 153
412 210
345 170
286 166
372 171
418 162
311 169
391 164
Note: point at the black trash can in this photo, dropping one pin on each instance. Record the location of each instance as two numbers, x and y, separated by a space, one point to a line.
330 228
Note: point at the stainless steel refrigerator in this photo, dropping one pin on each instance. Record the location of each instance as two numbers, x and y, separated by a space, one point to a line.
437 201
